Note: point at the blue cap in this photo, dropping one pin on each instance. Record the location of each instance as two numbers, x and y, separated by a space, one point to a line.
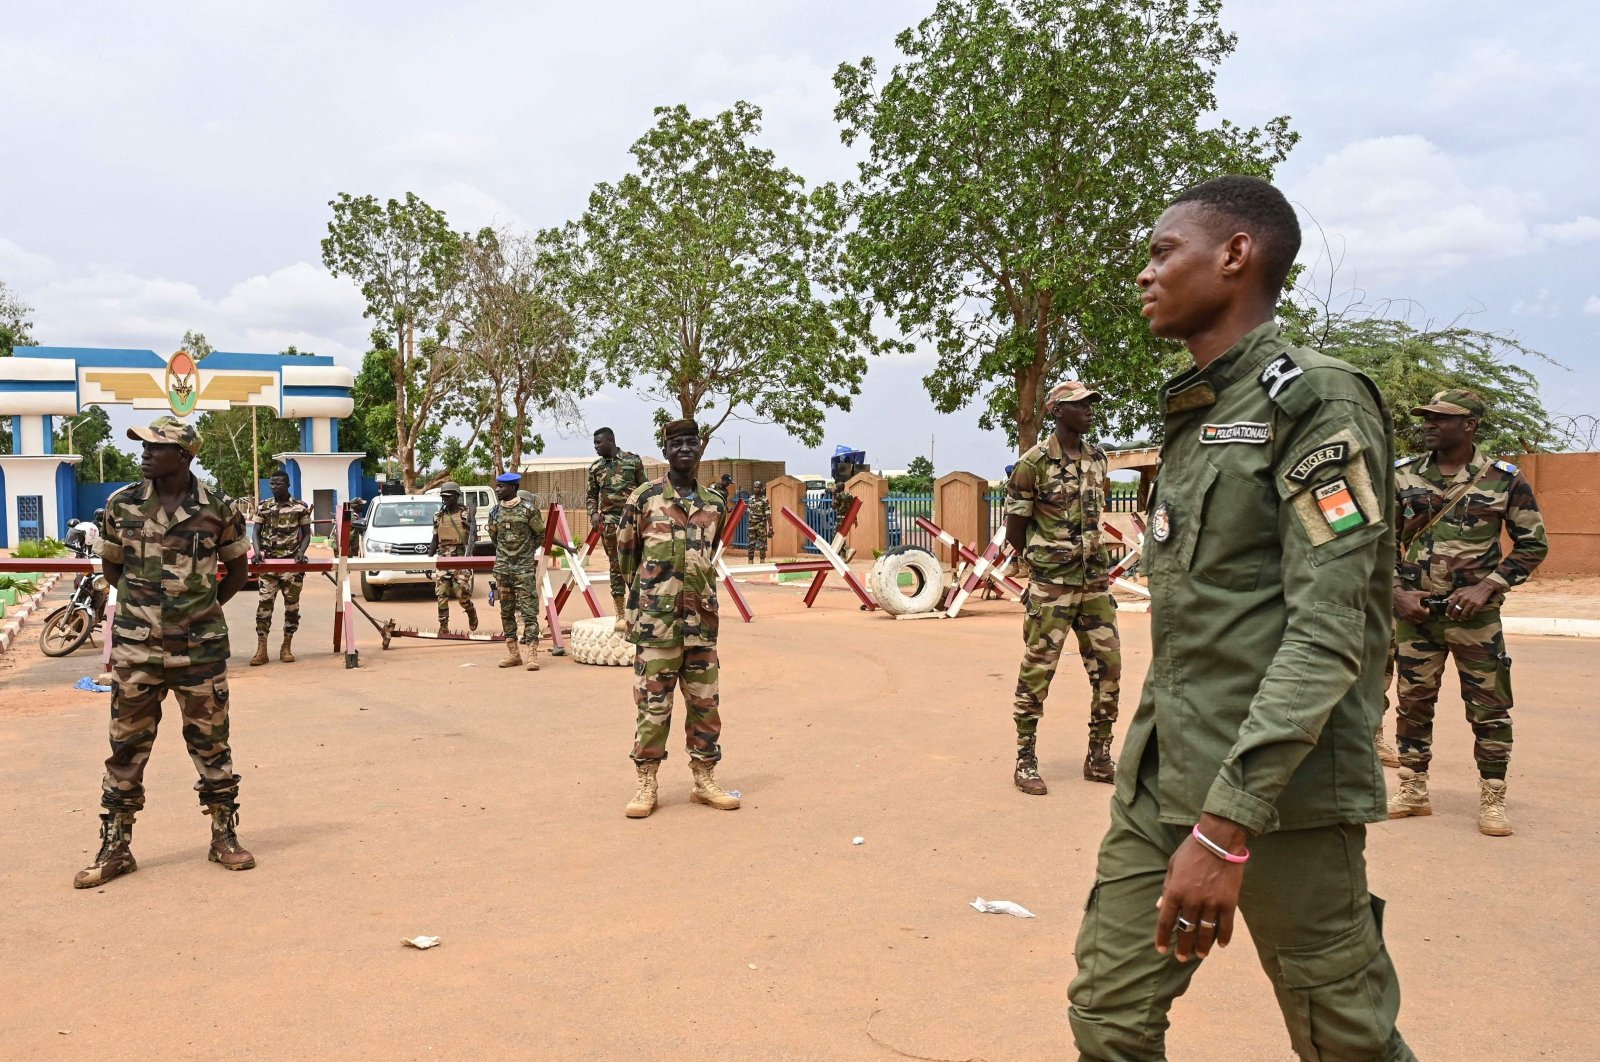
508 477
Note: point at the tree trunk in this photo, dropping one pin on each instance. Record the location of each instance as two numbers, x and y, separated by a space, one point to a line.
1029 419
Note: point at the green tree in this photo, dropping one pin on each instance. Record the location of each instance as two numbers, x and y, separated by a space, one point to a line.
16 330
237 445
89 435
705 277
917 480
1016 158
408 263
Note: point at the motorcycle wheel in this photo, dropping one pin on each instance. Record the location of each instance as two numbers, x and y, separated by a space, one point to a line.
64 630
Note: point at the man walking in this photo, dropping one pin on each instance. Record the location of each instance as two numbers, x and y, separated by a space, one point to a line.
160 547
1248 773
758 528
666 540
1455 503
616 475
1054 499
283 531
517 530
453 536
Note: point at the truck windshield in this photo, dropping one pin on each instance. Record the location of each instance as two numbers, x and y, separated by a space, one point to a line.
404 514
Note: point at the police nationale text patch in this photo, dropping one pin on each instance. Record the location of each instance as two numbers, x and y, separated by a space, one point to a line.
1332 454
1244 431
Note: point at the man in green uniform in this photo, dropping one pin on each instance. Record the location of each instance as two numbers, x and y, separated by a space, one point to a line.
283 531
758 528
1054 499
1269 552
1455 503
612 478
160 547
517 530
724 489
666 540
453 536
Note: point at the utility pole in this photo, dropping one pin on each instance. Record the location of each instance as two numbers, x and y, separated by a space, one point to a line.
255 459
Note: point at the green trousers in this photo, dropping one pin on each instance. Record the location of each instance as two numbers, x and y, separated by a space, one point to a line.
1317 931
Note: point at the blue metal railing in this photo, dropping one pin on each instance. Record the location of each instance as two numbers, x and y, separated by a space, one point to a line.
900 513
819 517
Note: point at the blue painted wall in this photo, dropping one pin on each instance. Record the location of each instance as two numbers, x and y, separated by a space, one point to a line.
66 498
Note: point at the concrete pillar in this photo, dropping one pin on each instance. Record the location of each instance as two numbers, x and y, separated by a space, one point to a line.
961 507
871 532
786 538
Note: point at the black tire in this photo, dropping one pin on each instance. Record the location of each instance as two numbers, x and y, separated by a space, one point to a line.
64 631
370 590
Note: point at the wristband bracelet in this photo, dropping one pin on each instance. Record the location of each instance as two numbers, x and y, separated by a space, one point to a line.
1217 850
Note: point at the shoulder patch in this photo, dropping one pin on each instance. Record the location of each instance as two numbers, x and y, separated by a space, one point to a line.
1280 373
1333 453
1404 461
1507 467
1195 396
1256 433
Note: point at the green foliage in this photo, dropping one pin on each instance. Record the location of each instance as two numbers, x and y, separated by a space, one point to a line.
15 328
23 587
89 434
1016 159
917 480
39 548
225 435
706 277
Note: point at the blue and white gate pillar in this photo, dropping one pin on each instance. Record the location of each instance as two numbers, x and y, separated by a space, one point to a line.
32 504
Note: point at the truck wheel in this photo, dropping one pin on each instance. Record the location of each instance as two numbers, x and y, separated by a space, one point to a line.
595 641
370 590
927 581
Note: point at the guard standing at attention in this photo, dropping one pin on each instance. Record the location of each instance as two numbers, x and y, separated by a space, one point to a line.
453 536
617 474
160 547
1455 503
283 531
516 528
1248 774
1054 498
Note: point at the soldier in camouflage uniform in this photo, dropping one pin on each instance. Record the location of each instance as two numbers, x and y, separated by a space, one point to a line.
724 489
759 527
612 479
453 536
665 543
160 547
1454 503
1054 499
841 504
516 528
283 531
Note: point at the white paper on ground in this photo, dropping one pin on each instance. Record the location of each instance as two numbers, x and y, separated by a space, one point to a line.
1000 907
423 943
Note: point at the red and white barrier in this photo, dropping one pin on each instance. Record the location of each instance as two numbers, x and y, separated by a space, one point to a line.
830 553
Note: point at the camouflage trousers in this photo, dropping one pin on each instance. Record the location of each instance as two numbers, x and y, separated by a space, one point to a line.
1052 612
452 586
202 695
271 586
756 543
1479 647
608 542
519 598
656 674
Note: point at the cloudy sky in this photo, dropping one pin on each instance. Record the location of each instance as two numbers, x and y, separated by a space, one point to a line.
170 164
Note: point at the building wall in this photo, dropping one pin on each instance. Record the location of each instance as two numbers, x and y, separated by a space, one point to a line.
1568 489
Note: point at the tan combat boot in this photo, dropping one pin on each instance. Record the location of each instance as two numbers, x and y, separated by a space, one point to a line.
261 651
1412 796
1027 773
512 659
706 790
225 846
1386 752
286 651
1098 765
644 801
532 654
114 860
472 616
619 607
1492 820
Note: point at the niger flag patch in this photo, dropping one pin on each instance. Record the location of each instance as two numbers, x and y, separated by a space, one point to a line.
1339 508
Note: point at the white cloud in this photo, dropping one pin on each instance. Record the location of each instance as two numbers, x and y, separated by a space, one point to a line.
1592 304
19 268
1541 305
440 147
470 208
1582 229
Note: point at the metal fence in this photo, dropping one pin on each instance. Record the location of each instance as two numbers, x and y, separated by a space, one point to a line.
1121 500
900 515
819 517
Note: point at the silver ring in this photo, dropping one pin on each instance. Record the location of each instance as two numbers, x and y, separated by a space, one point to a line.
1184 925
1208 925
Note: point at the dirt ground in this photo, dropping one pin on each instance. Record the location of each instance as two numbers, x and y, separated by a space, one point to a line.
429 792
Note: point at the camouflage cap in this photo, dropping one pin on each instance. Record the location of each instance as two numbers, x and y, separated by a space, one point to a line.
169 430
450 486
1070 391
686 426
1453 402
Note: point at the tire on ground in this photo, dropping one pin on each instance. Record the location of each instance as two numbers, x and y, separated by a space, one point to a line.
927 574
595 641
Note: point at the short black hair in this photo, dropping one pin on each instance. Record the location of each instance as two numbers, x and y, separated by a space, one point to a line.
604 431
277 473
1258 209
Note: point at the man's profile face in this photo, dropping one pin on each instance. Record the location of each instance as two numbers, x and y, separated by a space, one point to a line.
280 488
605 444
1075 416
157 460
1445 431
682 452
451 499
506 491
1183 292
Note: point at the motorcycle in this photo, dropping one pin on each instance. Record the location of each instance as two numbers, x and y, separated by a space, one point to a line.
69 626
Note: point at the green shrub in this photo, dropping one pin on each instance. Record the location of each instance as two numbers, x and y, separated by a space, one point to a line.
35 549
24 587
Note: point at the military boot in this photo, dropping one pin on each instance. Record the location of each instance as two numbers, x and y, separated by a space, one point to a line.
225 846
261 651
644 801
531 652
618 606
286 650
512 659
472 616
444 620
1386 752
706 790
114 860
1492 819
1412 796
1027 773
1098 765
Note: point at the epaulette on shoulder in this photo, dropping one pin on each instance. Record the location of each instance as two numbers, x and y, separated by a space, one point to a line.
120 491
1507 467
1404 461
